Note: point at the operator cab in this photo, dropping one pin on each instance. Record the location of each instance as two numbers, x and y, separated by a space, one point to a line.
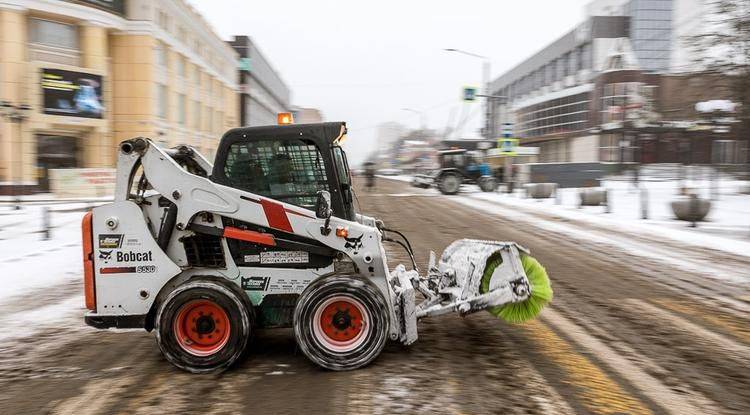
289 163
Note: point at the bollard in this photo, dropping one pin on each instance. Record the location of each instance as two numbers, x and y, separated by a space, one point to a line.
46 225
17 203
693 210
644 203
607 201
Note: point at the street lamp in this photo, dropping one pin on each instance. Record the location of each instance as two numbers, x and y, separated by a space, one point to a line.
488 127
421 116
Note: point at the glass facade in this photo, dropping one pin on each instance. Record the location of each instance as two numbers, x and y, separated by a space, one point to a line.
561 115
651 32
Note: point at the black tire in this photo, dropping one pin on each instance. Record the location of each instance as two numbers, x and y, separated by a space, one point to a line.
187 298
311 311
449 183
488 184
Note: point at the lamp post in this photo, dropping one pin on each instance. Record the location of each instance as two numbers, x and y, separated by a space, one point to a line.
486 68
16 114
421 116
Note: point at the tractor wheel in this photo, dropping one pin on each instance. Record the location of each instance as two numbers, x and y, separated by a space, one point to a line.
341 323
449 184
488 184
203 326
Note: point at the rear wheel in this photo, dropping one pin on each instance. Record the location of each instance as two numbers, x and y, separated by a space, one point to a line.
341 323
203 326
449 183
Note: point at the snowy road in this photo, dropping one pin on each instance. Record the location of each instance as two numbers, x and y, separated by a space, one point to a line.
641 323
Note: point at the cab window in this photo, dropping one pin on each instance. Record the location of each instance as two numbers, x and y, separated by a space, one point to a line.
291 171
341 165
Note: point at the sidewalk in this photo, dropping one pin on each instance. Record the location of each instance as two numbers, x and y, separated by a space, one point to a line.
727 228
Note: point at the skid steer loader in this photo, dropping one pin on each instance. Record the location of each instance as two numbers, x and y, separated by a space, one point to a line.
267 236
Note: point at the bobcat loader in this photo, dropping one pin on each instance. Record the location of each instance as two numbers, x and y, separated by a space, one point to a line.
267 236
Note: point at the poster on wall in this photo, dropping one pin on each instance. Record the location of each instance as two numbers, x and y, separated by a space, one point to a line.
74 94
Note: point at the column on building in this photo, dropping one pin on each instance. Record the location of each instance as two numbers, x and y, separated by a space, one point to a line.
12 90
98 150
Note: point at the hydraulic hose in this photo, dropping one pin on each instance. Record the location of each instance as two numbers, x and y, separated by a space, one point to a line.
407 246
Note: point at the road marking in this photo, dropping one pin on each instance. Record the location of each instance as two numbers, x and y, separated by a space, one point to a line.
599 393
672 402
736 329
735 349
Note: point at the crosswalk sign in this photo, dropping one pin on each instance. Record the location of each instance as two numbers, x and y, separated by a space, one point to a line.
470 94
507 146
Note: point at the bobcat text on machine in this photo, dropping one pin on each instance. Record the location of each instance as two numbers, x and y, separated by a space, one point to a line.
268 236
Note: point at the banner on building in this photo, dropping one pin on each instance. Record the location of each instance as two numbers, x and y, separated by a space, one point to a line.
77 183
74 94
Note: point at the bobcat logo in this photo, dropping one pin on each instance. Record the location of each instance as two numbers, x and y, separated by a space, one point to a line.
354 243
105 255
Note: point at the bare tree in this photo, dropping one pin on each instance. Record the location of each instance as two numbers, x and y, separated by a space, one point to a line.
723 48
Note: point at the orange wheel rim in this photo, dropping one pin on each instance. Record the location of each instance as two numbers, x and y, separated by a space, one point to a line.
341 323
202 327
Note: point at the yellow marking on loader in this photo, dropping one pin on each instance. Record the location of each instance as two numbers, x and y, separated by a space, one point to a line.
733 327
599 393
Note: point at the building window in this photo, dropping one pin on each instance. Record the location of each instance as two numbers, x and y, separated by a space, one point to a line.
160 54
197 76
197 115
181 108
55 34
180 65
163 101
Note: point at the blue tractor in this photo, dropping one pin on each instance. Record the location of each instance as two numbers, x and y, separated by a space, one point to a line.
460 166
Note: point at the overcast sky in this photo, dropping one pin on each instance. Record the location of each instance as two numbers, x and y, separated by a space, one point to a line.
362 62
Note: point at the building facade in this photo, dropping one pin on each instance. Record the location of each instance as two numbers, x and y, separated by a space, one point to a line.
263 94
616 71
78 77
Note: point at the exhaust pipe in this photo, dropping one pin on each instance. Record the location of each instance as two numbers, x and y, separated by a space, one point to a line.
133 145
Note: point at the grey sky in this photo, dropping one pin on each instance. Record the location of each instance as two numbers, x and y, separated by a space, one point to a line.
362 62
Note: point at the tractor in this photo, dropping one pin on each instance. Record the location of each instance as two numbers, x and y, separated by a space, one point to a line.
459 166
203 254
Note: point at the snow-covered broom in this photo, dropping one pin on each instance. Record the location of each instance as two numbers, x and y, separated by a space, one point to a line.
541 290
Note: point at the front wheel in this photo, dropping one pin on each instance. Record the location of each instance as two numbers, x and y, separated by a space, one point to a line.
488 184
449 184
341 322
203 326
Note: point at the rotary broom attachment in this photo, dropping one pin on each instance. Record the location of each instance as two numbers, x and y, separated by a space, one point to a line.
472 275
539 285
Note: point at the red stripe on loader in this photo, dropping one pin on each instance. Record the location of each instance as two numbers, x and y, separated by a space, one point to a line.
249 236
276 215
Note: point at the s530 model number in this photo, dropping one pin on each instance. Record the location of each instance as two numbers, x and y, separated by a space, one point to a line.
145 269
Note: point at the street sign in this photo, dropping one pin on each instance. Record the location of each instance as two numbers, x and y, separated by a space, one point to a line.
244 64
507 130
470 94
507 146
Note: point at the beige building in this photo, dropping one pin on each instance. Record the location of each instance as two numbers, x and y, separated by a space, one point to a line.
77 77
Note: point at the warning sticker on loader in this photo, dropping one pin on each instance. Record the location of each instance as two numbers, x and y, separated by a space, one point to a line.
284 257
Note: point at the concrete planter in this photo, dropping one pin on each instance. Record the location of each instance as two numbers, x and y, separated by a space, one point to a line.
744 189
593 196
691 208
540 190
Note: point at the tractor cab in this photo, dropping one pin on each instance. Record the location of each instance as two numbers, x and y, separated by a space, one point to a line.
288 163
